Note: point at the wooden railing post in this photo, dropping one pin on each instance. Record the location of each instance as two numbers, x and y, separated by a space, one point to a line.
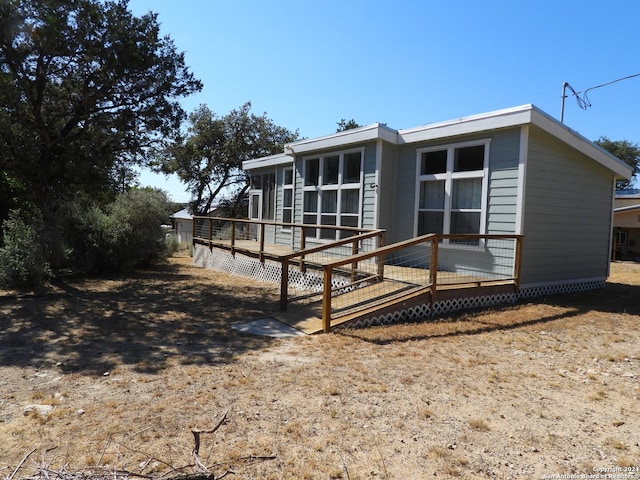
233 237
516 262
261 242
210 233
193 234
326 300
284 284
380 259
303 245
433 268
354 265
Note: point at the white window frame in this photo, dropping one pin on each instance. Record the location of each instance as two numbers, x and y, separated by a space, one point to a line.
448 177
339 187
286 187
622 238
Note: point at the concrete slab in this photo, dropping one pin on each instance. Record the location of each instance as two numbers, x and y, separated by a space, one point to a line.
268 327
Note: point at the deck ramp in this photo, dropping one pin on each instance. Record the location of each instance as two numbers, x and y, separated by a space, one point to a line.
348 306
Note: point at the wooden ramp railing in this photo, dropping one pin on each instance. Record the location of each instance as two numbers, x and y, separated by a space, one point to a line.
419 267
352 273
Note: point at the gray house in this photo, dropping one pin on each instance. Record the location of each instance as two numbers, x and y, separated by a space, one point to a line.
514 171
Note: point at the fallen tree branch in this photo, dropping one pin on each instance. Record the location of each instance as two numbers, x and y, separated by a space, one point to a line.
196 438
24 459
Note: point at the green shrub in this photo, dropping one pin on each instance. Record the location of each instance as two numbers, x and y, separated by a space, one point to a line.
129 233
173 245
22 261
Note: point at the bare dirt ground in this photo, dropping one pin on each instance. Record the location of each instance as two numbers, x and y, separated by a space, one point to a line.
127 366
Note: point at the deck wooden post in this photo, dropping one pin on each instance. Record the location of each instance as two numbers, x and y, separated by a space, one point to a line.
517 262
193 232
261 242
284 284
326 300
302 247
354 265
233 237
433 269
210 233
380 259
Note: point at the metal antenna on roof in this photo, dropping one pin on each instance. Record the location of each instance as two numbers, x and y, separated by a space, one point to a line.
583 102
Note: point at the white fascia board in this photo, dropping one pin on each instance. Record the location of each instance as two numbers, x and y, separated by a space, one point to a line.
270 161
376 131
630 208
510 117
580 143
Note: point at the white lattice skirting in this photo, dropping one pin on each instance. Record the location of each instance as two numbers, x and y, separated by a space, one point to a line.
270 271
458 304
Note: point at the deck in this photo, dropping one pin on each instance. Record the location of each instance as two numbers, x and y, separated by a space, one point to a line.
357 279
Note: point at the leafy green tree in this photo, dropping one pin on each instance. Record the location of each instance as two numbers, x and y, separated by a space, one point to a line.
86 89
347 125
626 151
22 261
208 158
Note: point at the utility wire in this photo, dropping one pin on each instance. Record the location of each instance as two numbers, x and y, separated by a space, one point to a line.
583 101
585 98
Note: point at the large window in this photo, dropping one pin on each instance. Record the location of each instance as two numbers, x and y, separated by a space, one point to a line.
267 183
451 181
332 192
287 197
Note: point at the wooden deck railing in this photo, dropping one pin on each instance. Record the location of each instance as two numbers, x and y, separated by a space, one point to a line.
251 237
442 261
472 243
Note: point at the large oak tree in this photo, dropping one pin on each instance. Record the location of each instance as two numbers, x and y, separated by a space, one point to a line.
86 88
626 151
208 158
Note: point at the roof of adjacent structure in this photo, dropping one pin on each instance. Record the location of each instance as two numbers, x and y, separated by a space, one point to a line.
511 117
182 214
628 193
629 208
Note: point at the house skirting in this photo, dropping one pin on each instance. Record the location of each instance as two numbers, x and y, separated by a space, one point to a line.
269 271
450 302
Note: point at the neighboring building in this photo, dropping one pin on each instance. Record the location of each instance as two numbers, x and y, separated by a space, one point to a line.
183 225
626 224
513 171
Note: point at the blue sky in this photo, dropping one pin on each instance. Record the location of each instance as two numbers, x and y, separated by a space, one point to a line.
308 64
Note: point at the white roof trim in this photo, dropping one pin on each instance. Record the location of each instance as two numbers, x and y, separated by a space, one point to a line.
580 143
376 131
629 208
510 117
270 161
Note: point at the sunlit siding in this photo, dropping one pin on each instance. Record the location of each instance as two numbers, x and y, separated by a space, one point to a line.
387 189
368 193
405 197
568 204
502 186
503 181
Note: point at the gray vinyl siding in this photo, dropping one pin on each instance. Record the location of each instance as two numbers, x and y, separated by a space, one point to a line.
504 152
502 188
387 189
405 197
369 194
568 204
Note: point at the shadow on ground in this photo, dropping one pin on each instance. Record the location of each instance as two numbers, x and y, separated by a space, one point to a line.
615 298
145 320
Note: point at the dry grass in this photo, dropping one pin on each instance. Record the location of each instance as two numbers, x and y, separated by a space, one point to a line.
131 364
